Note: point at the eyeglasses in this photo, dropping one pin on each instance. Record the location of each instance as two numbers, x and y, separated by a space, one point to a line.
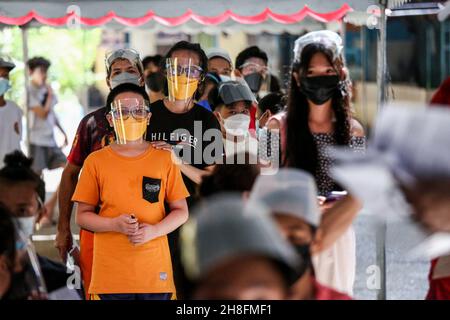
174 68
251 67
137 113
123 108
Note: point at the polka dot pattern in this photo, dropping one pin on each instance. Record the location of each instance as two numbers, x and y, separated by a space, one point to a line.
325 183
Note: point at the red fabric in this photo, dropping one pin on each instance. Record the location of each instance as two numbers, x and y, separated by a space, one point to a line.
252 117
439 288
442 95
325 293
175 21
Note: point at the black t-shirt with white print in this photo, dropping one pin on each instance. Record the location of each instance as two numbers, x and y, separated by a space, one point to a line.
186 131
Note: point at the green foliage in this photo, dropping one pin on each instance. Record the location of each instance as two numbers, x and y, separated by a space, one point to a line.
72 53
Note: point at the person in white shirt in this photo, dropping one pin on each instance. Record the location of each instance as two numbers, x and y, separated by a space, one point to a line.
43 147
10 114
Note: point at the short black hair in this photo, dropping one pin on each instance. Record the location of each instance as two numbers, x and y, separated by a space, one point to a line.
7 237
230 176
125 87
250 52
194 47
273 101
156 60
38 62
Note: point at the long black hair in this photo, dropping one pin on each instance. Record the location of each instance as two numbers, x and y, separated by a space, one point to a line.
301 149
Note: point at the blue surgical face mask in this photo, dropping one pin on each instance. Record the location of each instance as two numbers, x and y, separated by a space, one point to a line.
26 225
125 77
4 86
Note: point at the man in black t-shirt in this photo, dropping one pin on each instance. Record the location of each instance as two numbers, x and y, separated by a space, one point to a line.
181 125
188 130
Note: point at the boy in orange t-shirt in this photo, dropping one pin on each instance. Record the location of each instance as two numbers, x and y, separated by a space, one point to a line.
130 181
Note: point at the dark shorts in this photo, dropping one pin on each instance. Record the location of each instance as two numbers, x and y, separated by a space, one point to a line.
134 296
46 157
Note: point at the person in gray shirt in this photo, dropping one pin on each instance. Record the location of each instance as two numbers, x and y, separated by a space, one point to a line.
43 148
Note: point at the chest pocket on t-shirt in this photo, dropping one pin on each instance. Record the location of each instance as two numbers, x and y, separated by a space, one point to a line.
150 189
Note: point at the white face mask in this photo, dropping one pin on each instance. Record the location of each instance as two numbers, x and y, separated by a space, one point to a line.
237 125
26 225
125 77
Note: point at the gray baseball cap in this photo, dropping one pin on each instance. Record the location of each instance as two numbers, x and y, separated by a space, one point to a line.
226 227
6 63
289 191
128 54
219 53
234 91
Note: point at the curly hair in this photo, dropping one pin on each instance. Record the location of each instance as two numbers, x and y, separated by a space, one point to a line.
301 149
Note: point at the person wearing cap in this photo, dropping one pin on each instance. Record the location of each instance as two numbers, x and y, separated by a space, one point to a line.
291 196
407 177
41 101
10 114
239 255
93 133
232 101
219 61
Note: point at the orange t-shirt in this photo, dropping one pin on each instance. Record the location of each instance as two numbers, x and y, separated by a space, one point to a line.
130 185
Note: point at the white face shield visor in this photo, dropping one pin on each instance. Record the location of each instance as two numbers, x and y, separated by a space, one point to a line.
183 78
130 118
329 39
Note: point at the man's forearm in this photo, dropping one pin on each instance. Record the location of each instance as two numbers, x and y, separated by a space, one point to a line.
69 182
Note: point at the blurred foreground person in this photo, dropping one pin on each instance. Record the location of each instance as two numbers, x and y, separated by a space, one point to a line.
23 193
8 255
442 96
406 178
236 252
291 196
231 176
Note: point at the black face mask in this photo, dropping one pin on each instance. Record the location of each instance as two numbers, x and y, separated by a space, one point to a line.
254 81
155 81
319 89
